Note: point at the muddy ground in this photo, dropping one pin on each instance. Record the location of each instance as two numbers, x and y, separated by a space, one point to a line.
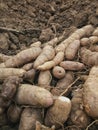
27 21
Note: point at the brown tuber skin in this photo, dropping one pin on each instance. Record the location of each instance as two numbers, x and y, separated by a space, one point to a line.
55 61
93 39
29 75
72 65
58 113
9 87
47 54
33 95
4 104
22 58
44 79
90 93
63 84
6 72
28 66
39 126
86 30
85 41
78 116
13 113
4 57
95 33
36 44
89 41
72 49
3 119
94 48
58 72
88 57
29 117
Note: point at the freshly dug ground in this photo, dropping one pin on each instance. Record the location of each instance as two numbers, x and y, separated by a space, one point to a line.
27 21
42 20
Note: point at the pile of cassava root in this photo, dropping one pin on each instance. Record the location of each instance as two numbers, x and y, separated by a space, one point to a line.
52 86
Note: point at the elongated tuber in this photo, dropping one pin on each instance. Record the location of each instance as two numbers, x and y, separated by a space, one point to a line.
57 59
22 57
3 57
63 84
72 65
28 66
58 113
79 33
6 72
72 49
14 113
78 116
90 93
44 79
36 44
47 54
33 95
29 117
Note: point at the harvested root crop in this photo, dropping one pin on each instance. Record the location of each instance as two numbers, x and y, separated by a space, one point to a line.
29 117
22 57
30 75
4 104
3 57
49 64
78 34
85 41
88 57
72 50
47 54
90 93
3 119
63 84
44 79
36 44
89 41
39 126
9 87
28 66
6 72
78 116
58 72
72 65
58 113
93 39
94 48
33 95
14 113
95 33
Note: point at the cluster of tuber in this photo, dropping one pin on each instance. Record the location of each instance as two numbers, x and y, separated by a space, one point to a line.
51 86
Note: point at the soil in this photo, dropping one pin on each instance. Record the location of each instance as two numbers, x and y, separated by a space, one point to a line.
42 20
27 21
